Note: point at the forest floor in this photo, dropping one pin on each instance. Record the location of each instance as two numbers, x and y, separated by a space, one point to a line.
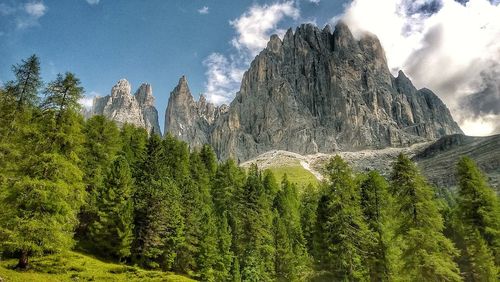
73 266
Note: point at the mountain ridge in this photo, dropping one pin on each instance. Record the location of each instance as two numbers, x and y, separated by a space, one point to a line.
317 91
314 91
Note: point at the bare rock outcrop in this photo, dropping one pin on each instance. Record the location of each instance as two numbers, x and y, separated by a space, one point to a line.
123 107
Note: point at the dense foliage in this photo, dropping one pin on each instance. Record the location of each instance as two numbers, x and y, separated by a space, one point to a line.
136 198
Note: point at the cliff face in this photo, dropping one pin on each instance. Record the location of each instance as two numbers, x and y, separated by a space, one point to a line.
123 107
314 91
189 120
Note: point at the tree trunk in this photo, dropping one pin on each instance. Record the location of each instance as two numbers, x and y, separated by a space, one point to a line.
23 260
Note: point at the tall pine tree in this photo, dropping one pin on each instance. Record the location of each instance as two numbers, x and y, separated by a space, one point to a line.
342 235
478 220
374 203
112 232
427 254
41 199
24 89
291 257
100 147
254 240
158 220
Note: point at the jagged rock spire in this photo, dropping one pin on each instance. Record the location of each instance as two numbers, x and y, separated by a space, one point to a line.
121 107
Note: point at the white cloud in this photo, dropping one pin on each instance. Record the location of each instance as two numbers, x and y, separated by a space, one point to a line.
314 1
253 30
223 77
257 24
481 126
88 100
29 14
93 2
441 44
35 9
203 10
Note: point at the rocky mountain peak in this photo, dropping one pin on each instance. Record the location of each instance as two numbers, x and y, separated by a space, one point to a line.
182 89
314 91
274 44
121 107
144 95
343 39
188 119
121 88
403 83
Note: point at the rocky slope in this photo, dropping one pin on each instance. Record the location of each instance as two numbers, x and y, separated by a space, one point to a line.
123 107
314 91
436 159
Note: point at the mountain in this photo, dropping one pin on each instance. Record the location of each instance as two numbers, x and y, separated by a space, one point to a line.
123 107
314 91
441 157
190 120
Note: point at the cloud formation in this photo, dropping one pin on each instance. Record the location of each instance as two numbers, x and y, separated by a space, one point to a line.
204 10
29 13
450 47
88 100
35 9
22 15
93 2
254 27
253 30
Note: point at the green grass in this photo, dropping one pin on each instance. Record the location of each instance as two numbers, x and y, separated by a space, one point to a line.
295 173
73 266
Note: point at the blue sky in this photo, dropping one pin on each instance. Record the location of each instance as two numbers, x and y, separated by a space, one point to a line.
154 41
213 41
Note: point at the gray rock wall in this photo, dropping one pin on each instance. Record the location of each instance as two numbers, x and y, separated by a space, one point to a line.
123 107
313 91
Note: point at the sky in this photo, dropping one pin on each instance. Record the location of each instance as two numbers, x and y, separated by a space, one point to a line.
449 46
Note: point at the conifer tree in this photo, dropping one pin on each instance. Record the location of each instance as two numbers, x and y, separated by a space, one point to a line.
39 207
225 258
133 141
112 233
478 222
208 157
24 89
101 144
18 101
198 250
62 95
291 255
158 220
228 180
374 203
427 254
308 209
342 233
177 159
43 195
255 241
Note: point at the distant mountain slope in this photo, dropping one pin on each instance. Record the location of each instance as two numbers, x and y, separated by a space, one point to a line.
314 91
438 161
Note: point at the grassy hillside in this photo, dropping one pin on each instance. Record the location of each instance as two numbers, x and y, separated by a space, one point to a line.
295 173
74 266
